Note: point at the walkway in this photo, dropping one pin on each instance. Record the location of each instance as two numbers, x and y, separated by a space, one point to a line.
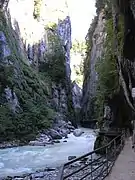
124 168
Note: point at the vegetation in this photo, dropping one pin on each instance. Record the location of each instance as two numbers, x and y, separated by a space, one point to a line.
37 8
54 63
108 79
78 49
51 25
108 83
31 90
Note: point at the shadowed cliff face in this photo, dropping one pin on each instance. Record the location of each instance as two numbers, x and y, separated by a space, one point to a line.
127 64
129 21
121 104
122 50
91 78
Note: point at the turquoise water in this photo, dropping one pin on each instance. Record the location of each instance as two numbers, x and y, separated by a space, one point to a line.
20 160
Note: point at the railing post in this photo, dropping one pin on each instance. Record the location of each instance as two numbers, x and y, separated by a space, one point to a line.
122 139
114 148
106 160
60 175
91 167
121 142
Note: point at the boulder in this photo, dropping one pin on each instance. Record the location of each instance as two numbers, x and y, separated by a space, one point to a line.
77 132
56 141
70 127
64 132
36 143
55 134
38 175
71 157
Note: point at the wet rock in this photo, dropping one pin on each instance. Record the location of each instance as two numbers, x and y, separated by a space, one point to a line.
66 137
36 143
78 132
56 141
28 178
46 174
38 175
54 134
50 169
65 141
76 164
69 123
71 157
77 95
70 127
83 160
9 144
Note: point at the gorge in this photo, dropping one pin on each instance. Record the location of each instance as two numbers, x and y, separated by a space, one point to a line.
42 69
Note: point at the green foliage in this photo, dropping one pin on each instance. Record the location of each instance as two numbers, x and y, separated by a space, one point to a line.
31 90
54 63
6 123
78 47
51 25
108 80
6 75
37 8
25 125
78 70
78 51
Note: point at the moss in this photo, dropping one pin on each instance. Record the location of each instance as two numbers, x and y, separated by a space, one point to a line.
108 83
31 90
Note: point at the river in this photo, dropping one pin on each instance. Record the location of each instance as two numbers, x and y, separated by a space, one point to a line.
26 159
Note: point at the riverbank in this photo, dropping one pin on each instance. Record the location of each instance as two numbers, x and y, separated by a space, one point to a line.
59 130
46 174
54 173
27 159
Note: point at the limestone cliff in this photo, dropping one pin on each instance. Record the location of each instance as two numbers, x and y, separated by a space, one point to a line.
95 39
35 42
114 105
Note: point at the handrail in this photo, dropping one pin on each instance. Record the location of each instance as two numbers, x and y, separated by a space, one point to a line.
115 145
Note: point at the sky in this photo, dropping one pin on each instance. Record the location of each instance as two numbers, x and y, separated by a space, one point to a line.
81 13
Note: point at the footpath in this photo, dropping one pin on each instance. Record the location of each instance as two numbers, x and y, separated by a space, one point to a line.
124 168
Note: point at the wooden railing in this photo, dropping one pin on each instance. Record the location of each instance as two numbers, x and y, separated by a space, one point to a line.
95 167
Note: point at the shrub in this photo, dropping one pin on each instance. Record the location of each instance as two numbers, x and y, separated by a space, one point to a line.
37 8
54 63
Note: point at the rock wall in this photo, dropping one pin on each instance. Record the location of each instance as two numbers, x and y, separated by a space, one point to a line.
118 102
30 82
91 78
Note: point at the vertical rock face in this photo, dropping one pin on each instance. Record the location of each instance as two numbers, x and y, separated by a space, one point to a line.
90 83
35 42
5 51
77 95
120 104
33 37
64 31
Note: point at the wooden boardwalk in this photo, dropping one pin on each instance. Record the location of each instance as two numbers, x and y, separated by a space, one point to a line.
124 168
